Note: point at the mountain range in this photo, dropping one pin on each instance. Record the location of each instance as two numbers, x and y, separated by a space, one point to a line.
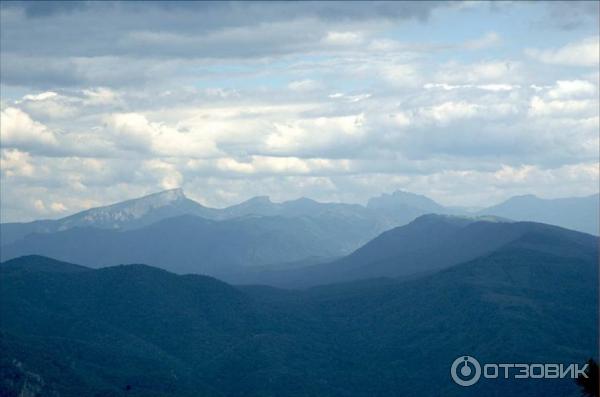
427 244
577 213
498 291
256 239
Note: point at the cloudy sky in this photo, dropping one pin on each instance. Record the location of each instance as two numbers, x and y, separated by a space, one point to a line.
468 103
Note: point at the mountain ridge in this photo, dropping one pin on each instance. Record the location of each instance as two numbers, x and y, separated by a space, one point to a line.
144 331
399 207
428 244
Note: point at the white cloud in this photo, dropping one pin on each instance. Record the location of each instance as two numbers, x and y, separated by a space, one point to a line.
575 98
308 135
49 105
452 111
400 75
40 97
486 87
557 108
16 164
133 131
343 38
336 108
490 39
449 111
18 130
484 72
167 173
100 96
306 85
572 89
583 53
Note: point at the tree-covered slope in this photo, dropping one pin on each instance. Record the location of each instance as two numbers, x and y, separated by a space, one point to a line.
190 244
101 332
429 243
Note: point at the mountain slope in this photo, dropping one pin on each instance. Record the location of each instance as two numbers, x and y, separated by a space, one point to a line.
190 244
118 326
341 227
36 263
514 305
128 214
381 214
577 213
402 207
429 243
135 328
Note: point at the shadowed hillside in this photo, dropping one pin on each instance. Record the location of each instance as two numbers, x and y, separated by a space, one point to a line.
101 332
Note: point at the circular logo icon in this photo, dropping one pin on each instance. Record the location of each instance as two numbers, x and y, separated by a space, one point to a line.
465 371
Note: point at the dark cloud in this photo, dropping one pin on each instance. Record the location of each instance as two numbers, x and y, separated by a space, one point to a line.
38 9
100 29
571 15
241 12
48 45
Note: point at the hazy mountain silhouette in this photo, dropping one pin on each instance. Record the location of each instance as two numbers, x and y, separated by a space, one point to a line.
299 230
429 243
383 212
141 329
128 214
408 199
192 244
259 232
37 263
577 213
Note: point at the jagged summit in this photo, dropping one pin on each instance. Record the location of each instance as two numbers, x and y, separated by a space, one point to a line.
257 200
259 205
402 198
159 198
152 200
382 213
135 212
130 209
175 193
303 200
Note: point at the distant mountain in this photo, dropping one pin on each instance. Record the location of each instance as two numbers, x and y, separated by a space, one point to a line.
298 227
345 226
103 236
262 205
304 207
37 263
139 212
190 244
381 214
429 243
402 207
128 214
577 213
405 199
137 330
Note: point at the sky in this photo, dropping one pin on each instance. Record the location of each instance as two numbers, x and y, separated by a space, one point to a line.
469 103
